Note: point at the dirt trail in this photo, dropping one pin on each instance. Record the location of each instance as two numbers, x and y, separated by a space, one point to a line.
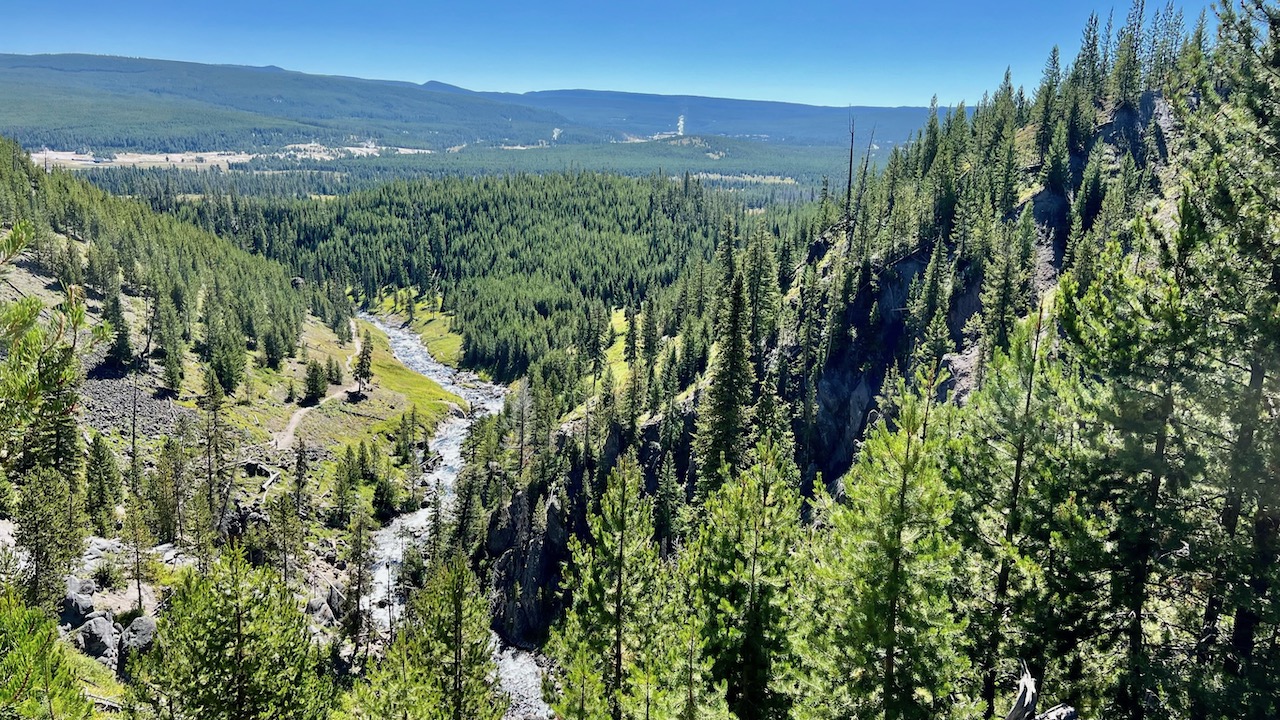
284 439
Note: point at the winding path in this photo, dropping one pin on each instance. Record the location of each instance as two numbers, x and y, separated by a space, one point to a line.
284 438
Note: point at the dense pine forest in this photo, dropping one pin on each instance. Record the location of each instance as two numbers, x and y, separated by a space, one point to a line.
999 405
520 261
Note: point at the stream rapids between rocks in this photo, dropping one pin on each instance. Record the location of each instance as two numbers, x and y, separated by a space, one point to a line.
519 674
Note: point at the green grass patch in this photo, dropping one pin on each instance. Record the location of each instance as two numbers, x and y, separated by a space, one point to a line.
433 326
388 374
97 680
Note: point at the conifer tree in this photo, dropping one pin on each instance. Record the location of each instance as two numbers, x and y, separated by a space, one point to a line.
760 280
234 644
137 541
1047 102
1233 206
1136 328
168 489
581 693
453 630
171 343
649 350
1004 476
287 532
345 481
121 350
224 339
364 362
216 487
1126 73
613 579
668 504
359 557
316 384
50 536
102 480
37 679
725 411
884 642
1057 164
745 556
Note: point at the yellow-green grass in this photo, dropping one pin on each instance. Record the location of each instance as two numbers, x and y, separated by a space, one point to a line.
260 406
434 327
616 363
412 388
613 355
95 678
394 390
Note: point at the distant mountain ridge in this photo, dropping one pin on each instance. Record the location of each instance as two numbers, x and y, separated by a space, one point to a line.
117 103
646 114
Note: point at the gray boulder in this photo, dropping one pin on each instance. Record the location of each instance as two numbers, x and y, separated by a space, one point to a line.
76 606
324 615
136 640
140 635
98 639
337 601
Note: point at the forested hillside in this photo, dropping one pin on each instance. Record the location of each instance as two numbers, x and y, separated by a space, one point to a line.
1002 408
162 106
523 262
186 276
123 103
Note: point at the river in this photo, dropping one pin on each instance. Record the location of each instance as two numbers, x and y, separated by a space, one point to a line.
518 671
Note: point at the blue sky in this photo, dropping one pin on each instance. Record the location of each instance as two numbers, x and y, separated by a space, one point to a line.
827 53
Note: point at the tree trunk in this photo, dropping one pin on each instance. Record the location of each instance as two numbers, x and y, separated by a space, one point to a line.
1248 617
1011 529
1133 689
1229 522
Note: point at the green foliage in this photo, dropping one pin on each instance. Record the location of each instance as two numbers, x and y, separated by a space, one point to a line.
364 363
725 415
333 370
746 567
612 592
180 269
498 249
440 664
121 350
37 680
884 639
50 530
234 644
356 620
102 479
316 384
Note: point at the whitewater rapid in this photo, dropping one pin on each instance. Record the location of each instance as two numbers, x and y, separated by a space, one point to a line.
518 671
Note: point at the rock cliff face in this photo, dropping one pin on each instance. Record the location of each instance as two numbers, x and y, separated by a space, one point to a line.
527 553
527 541
852 378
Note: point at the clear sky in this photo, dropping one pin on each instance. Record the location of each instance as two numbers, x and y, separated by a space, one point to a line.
834 52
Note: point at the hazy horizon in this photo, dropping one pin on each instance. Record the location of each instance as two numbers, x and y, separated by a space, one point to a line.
752 52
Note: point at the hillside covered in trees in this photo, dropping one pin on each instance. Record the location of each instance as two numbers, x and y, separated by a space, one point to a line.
1007 402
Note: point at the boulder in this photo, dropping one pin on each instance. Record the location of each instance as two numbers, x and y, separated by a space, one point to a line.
314 603
98 639
76 606
140 635
336 600
324 615
135 640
